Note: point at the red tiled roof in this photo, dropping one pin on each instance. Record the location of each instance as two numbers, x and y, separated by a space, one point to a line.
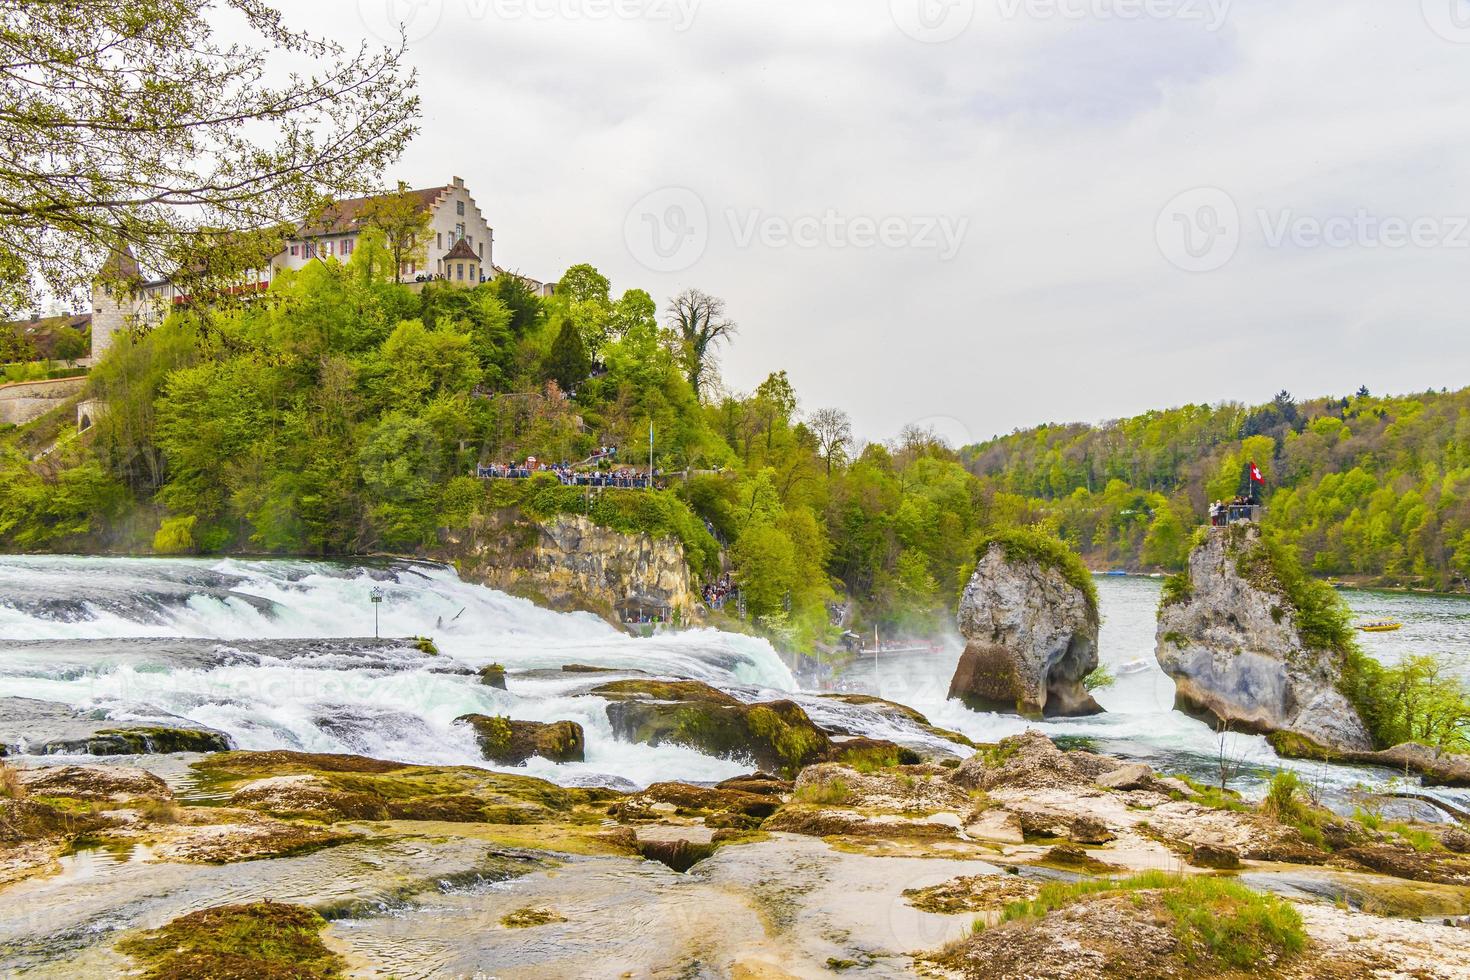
341 217
462 250
121 266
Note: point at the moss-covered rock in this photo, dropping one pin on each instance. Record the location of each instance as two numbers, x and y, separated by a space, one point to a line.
260 941
871 754
111 784
1437 767
493 676
29 820
512 743
341 787
529 918
775 735
1030 622
1257 644
663 690
141 740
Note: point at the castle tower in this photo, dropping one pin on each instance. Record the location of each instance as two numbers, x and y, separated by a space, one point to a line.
113 299
462 264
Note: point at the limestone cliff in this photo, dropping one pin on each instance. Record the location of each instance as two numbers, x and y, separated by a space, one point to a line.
1030 637
1234 648
570 563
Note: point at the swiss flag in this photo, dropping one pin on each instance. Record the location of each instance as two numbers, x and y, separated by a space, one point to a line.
1256 476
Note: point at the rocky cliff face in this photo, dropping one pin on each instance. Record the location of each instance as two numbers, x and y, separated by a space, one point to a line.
1030 639
1234 651
569 563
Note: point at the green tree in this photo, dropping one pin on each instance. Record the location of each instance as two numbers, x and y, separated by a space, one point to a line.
567 362
403 219
70 346
584 284
132 127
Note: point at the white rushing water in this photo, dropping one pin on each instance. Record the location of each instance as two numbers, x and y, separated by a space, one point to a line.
312 704
113 626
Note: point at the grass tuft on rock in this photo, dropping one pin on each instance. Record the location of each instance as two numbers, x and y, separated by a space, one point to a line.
259 941
1217 921
1033 544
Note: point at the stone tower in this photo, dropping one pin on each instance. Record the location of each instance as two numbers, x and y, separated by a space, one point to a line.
114 300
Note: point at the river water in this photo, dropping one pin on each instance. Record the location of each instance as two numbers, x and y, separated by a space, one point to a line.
222 643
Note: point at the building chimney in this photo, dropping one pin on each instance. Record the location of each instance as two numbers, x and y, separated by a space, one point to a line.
459 182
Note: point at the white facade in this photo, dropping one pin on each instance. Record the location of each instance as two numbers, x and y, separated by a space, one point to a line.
453 214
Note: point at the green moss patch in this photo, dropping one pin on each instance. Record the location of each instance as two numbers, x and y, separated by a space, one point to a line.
353 788
1023 544
260 941
529 918
1217 921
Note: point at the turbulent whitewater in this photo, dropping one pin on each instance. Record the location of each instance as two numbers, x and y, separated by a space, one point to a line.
264 651
89 632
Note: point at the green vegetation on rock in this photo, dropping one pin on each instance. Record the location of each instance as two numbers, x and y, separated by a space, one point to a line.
1030 544
264 941
1217 921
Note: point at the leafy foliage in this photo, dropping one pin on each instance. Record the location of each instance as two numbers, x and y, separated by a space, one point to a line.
1032 544
1413 701
1362 485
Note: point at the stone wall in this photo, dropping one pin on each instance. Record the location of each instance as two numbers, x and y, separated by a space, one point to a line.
26 401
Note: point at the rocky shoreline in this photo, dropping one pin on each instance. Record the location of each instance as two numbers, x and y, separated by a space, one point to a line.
996 828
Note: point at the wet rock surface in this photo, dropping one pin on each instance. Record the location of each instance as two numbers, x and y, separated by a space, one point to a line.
31 727
775 735
512 743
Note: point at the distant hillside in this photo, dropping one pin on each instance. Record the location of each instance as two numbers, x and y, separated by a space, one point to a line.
1363 486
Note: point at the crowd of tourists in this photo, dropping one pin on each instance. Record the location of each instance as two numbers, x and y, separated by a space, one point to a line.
622 478
718 592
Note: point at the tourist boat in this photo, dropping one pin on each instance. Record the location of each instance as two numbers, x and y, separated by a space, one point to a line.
1381 626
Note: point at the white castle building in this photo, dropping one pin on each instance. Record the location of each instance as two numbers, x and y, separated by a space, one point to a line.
460 249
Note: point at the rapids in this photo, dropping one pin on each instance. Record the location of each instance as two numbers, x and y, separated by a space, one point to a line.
264 651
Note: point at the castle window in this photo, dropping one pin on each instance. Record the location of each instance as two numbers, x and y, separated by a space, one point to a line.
481 248
459 231
459 207
439 240
459 270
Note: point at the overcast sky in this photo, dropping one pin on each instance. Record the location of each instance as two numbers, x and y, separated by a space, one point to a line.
981 214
